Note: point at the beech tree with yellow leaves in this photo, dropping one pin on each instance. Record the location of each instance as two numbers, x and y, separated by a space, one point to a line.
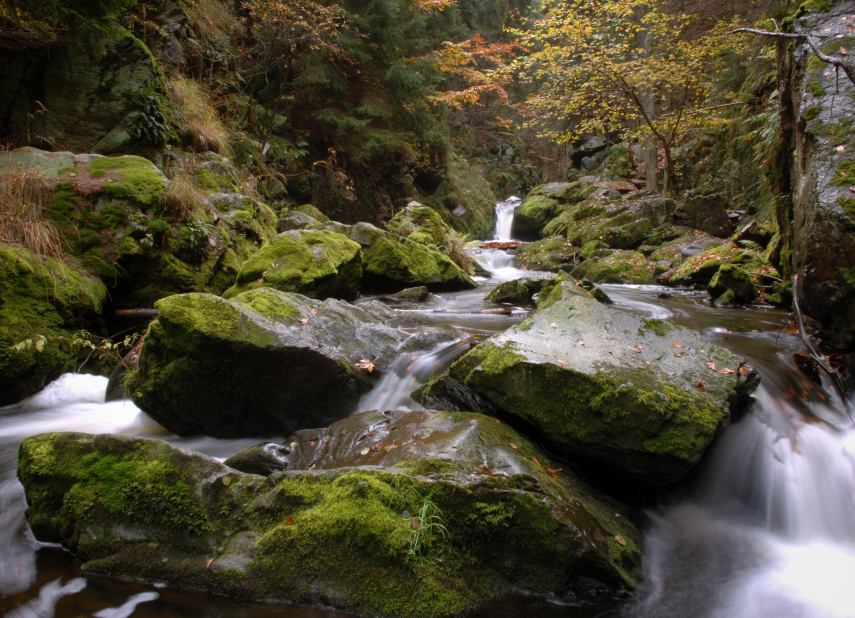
622 66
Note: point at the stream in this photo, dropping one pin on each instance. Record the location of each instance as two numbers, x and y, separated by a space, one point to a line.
765 528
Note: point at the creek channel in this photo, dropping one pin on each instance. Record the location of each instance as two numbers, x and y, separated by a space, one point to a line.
765 528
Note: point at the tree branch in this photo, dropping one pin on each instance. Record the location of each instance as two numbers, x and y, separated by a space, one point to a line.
800 34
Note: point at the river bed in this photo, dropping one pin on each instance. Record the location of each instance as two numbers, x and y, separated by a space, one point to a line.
765 529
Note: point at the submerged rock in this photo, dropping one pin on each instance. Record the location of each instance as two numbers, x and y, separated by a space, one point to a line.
416 295
263 459
315 263
405 514
267 362
643 397
41 297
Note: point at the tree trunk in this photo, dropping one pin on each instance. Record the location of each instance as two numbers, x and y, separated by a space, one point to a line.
648 100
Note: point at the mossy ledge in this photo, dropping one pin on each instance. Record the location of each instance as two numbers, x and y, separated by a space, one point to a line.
143 509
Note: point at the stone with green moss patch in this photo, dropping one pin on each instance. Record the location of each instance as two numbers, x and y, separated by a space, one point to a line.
315 263
342 534
130 177
616 267
736 279
266 362
41 296
599 384
550 254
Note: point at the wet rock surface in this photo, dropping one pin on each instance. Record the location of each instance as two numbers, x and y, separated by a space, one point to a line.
338 527
643 397
267 362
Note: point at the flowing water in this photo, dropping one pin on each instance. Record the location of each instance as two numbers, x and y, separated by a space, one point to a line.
505 217
766 529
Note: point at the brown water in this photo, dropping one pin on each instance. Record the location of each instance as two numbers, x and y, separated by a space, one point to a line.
42 581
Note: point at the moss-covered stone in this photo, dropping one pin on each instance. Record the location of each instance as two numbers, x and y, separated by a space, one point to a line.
267 362
344 533
617 267
520 291
391 262
41 297
131 178
533 215
550 254
315 263
601 385
734 278
420 224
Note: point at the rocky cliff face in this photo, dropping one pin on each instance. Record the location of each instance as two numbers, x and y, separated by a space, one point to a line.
823 171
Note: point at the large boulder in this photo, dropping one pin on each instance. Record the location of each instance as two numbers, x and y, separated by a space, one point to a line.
392 263
420 224
703 212
520 291
615 266
88 105
642 397
267 362
550 254
315 263
532 216
145 237
442 512
818 234
41 297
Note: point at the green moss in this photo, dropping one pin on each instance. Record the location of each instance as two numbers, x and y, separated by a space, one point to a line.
269 304
814 6
703 266
619 267
308 209
157 226
812 112
817 90
845 174
318 264
660 327
207 180
550 254
131 178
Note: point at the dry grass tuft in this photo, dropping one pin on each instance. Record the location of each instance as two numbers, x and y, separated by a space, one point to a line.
200 122
183 199
24 199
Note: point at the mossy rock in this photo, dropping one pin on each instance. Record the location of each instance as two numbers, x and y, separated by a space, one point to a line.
618 163
550 254
308 209
702 268
267 362
315 263
519 291
733 278
392 263
599 384
532 216
41 297
617 267
420 224
340 534
130 177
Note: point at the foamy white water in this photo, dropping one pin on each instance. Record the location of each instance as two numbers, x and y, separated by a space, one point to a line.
505 217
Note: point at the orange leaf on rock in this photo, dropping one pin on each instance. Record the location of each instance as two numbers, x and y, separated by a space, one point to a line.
679 355
289 521
676 344
304 321
701 386
563 362
727 372
711 366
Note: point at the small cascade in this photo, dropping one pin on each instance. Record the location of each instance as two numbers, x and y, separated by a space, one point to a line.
408 373
505 217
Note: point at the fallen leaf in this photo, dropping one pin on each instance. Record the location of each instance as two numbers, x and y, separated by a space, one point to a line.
324 446
304 321
553 473
679 355
555 325
620 540
648 362
377 446
415 524
677 345
711 366
610 352
472 422
289 521
841 149
563 362
497 420
536 461
390 447
514 446
843 51
507 434
369 434
365 451
598 536
727 372
227 480
701 386
671 373
743 371
209 563
497 441
366 364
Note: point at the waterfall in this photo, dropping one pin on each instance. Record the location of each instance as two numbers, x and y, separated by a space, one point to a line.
505 217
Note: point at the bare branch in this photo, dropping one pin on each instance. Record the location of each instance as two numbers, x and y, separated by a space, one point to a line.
800 34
